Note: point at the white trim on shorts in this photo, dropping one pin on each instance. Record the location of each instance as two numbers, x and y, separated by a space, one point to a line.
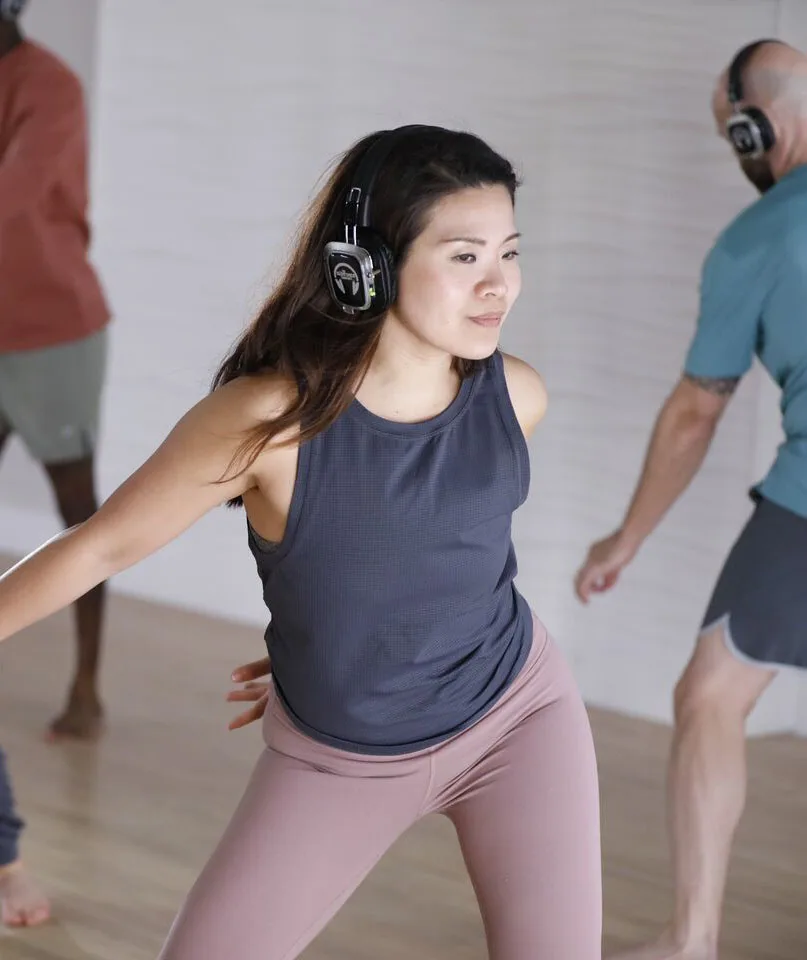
728 639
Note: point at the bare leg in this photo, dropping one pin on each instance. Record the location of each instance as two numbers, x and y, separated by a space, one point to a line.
706 793
74 488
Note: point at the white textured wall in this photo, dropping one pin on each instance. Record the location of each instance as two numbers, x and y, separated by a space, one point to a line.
210 135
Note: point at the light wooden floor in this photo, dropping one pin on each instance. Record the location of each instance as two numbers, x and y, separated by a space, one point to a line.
118 831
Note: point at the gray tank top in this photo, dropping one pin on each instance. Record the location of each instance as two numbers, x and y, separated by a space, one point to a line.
395 622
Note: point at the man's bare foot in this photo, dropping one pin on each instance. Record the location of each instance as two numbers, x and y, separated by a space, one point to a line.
22 903
82 718
666 949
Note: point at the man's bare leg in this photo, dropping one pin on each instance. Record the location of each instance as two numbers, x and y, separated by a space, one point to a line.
706 793
74 488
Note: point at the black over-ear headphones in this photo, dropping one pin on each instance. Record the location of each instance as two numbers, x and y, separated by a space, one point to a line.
360 271
749 130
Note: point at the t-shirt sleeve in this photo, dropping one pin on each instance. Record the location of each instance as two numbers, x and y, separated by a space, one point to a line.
733 290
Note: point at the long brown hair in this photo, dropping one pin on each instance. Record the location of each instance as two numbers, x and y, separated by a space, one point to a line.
299 333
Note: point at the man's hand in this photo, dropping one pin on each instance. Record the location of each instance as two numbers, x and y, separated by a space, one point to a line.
250 692
605 561
682 434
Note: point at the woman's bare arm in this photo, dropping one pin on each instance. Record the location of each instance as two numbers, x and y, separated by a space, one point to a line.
173 489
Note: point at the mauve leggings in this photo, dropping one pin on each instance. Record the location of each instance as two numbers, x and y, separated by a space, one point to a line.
520 787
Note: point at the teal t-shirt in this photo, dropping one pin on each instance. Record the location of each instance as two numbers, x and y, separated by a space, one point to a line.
753 301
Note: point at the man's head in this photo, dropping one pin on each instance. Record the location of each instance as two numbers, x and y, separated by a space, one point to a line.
10 35
760 106
11 9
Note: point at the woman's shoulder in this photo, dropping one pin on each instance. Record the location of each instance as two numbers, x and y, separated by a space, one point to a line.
232 415
527 392
247 401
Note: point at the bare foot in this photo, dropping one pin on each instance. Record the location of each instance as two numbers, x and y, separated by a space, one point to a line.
82 718
666 949
22 903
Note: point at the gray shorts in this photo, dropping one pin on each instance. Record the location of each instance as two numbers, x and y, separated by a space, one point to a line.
52 397
761 594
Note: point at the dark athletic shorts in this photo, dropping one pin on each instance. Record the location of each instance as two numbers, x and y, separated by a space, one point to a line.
761 593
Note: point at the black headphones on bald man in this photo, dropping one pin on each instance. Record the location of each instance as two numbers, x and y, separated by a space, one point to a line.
360 270
749 130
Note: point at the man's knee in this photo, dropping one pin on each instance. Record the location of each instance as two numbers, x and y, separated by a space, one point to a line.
716 683
695 695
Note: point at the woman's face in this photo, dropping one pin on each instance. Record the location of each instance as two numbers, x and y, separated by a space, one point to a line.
461 275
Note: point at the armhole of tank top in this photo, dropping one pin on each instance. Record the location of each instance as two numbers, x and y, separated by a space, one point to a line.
275 552
509 419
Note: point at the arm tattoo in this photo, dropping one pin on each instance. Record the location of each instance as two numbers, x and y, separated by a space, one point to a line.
720 386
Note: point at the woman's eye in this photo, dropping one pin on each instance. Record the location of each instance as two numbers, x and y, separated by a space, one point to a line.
465 258
511 255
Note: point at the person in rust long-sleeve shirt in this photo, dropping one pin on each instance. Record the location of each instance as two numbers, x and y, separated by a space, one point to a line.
53 312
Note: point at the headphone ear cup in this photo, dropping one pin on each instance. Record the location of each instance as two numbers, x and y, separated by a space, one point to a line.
751 133
765 127
386 262
383 268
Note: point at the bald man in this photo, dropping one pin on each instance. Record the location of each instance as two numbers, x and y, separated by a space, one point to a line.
753 302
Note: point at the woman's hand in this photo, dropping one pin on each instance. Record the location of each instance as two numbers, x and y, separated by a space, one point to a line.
251 691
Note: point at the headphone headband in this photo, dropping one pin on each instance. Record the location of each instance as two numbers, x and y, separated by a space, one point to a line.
738 64
357 200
